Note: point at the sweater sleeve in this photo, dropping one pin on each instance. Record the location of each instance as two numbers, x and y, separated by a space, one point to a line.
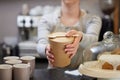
43 31
92 30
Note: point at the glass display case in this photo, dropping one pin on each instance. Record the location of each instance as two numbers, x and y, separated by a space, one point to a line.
101 60
108 44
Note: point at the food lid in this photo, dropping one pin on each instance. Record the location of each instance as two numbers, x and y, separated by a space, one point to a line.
60 37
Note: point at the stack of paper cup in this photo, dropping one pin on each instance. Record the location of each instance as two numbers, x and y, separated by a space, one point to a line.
29 60
21 72
5 72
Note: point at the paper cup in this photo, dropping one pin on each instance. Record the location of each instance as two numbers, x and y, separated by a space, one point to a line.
29 60
57 45
10 58
21 72
5 72
12 62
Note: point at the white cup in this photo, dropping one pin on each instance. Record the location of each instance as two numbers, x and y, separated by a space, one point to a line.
29 60
5 72
21 72
10 58
12 62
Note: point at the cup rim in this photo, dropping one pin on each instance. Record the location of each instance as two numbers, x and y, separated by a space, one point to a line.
21 65
27 58
13 61
10 57
5 66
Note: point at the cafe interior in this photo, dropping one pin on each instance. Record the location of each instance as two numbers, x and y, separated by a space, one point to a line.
19 38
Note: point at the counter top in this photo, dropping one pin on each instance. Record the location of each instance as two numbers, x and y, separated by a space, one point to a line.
56 74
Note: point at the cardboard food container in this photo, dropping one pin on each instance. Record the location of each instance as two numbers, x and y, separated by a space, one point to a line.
58 41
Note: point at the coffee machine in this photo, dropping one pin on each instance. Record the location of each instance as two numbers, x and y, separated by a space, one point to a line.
27 27
27 32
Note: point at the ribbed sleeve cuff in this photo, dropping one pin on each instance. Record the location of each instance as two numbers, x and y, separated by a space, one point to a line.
41 50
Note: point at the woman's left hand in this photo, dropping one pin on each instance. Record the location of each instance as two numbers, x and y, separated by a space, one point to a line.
71 49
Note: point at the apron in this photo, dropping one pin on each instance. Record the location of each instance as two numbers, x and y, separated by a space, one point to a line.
77 59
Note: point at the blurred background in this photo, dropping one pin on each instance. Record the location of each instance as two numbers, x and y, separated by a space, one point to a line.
18 22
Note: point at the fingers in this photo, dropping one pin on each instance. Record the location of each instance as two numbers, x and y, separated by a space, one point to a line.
76 41
75 44
50 59
74 32
71 32
71 56
71 49
49 54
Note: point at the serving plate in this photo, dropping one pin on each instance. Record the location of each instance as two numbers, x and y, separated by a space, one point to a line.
93 69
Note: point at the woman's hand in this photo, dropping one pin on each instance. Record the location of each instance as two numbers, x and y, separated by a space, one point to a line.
49 55
71 49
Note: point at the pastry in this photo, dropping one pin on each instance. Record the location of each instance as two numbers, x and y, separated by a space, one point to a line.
110 62
116 51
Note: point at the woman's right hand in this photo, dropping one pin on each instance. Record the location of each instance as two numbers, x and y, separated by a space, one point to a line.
49 54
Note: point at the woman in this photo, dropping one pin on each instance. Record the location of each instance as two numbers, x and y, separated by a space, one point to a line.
73 20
